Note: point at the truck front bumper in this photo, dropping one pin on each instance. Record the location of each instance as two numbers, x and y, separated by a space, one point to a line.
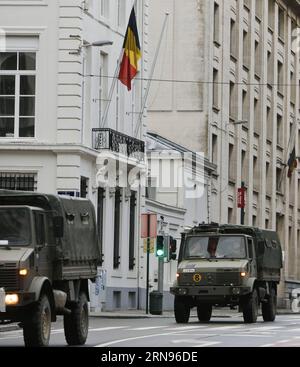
210 291
23 299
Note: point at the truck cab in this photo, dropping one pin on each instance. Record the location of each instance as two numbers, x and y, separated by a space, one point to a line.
227 266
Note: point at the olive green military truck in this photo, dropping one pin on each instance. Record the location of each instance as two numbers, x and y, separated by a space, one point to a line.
227 265
49 250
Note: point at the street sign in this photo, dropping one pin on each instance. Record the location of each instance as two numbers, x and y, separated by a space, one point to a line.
241 197
149 224
152 245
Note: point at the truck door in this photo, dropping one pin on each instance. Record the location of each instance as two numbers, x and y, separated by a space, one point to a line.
42 249
252 256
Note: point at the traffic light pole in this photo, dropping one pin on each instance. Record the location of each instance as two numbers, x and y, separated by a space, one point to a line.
148 257
160 285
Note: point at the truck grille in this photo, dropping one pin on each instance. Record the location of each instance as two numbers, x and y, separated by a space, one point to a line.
9 279
218 278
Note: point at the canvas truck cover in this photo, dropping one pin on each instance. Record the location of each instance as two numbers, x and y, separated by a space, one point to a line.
79 244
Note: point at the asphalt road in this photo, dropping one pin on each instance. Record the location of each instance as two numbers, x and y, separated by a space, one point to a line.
164 332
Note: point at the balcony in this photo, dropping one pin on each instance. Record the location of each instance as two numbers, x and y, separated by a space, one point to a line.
116 142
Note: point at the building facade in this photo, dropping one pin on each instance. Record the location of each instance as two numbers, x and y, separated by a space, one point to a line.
234 95
62 110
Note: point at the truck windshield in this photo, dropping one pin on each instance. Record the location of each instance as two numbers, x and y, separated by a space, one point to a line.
215 247
14 227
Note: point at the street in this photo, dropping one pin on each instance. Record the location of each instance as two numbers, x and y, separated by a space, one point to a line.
164 332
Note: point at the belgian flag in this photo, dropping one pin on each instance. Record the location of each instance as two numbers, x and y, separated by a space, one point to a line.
132 53
292 163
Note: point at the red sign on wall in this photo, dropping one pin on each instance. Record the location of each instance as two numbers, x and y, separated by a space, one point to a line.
149 225
241 197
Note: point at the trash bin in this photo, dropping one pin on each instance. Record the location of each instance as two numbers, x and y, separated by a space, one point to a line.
156 300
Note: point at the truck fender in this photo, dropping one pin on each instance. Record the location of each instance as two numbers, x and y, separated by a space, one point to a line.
40 284
251 283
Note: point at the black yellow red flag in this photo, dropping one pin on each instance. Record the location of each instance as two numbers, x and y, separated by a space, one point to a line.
292 163
132 53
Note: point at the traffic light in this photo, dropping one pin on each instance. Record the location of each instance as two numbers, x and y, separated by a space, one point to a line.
160 246
172 249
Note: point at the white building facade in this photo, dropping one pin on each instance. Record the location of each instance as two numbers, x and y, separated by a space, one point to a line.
225 62
54 94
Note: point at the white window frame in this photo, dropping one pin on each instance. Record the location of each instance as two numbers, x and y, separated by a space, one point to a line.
17 73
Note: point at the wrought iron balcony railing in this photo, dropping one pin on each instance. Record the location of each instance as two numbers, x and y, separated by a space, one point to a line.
108 139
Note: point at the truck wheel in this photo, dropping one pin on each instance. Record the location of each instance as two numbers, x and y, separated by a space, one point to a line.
76 325
182 310
269 308
37 329
250 307
204 312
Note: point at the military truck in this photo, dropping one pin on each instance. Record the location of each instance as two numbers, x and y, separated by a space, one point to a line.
227 265
49 249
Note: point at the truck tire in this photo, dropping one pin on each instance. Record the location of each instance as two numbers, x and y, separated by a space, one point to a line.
182 310
37 328
76 325
269 308
204 312
250 307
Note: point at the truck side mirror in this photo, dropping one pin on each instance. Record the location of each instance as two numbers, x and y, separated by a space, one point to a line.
58 227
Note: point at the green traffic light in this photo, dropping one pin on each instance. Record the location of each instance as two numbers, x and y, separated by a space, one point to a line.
160 253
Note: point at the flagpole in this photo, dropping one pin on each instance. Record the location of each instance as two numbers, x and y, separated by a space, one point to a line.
113 84
150 77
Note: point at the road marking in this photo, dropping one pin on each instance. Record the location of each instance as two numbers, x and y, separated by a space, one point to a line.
224 328
147 328
266 345
109 328
262 328
284 341
250 335
179 328
195 343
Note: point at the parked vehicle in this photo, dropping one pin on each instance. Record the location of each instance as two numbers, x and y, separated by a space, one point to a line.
227 265
49 250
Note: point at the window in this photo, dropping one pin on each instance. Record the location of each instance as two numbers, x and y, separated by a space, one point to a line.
216 23
245 106
270 65
280 77
233 38
104 8
103 86
215 88
18 181
232 100
271 13
281 20
230 215
100 219
256 173
117 228
231 163
278 179
294 36
121 12
132 224
293 87
39 221
84 187
244 166
246 49
268 179
259 8
214 148
17 94
279 130
257 116
257 58
269 124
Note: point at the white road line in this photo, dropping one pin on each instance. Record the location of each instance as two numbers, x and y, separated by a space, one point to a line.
146 328
179 328
109 328
262 328
266 345
284 341
208 344
293 330
250 335
224 328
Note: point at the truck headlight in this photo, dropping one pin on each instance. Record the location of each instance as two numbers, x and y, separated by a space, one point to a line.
243 274
23 272
11 299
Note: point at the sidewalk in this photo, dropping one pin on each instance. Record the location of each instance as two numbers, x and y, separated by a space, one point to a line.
141 314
